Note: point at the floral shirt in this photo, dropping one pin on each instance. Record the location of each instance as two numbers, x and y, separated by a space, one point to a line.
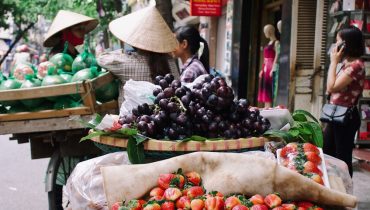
192 69
350 94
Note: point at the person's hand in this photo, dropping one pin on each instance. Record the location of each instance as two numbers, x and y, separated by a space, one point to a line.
260 74
335 55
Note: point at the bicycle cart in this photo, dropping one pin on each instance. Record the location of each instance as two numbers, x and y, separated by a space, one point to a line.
57 133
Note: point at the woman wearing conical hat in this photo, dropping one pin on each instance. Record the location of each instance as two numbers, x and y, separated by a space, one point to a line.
147 32
71 27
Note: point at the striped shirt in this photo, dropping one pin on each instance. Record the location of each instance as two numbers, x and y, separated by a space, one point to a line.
129 66
192 69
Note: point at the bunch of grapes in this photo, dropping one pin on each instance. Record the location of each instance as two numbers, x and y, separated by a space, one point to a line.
208 109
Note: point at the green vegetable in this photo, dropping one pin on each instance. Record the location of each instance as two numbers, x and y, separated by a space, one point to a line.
10 84
84 60
107 92
82 75
63 60
51 79
30 83
306 128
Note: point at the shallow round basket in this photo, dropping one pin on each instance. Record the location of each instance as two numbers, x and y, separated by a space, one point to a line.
160 149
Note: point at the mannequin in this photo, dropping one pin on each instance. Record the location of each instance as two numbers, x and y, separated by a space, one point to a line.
275 68
265 75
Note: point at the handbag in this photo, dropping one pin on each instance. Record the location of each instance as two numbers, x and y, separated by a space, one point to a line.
336 114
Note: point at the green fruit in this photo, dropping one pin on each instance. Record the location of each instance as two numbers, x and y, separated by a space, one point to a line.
66 77
52 80
107 92
62 61
10 84
31 103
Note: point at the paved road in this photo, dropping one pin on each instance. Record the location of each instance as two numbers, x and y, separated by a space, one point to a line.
21 179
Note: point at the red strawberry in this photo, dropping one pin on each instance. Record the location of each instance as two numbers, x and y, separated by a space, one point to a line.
257 199
288 149
289 206
185 191
317 178
310 167
181 181
152 205
134 205
259 207
305 204
164 180
116 206
272 200
214 203
215 193
313 157
316 208
172 194
197 204
115 126
240 207
183 203
168 205
307 147
156 198
142 202
231 202
194 178
195 191
156 192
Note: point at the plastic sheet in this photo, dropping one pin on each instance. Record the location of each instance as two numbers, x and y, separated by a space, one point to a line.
84 188
136 93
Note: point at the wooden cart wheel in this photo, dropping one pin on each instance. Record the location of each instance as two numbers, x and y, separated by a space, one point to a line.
59 169
55 192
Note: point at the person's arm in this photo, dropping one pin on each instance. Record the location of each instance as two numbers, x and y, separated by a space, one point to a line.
276 57
111 61
336 83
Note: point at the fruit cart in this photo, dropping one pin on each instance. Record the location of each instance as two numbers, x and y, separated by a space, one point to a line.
56 133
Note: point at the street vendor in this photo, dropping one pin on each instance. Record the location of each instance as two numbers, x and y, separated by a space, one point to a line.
68 27
152 40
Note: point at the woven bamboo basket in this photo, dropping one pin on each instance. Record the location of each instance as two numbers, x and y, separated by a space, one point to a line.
160 149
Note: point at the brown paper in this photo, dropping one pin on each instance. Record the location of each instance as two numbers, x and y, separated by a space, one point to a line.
224 172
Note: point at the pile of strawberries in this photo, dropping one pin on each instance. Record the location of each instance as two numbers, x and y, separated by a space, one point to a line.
304 159
178 191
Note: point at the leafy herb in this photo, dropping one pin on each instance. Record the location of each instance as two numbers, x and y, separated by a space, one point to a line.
305 128
92 135
135 151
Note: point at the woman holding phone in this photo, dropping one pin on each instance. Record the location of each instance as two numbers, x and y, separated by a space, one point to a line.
345 84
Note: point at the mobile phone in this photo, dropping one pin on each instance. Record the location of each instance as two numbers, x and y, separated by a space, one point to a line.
341 45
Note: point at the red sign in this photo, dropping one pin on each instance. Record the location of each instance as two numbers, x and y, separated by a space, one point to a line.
206 7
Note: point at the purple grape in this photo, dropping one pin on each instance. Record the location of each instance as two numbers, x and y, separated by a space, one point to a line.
185 100
176 84
208 78
157 79
168 92
180 92
197 86
222 125
142 126
213 126
163 83
169 78
182 119
163 103
172 134
126 126
145 118
157 91
172 107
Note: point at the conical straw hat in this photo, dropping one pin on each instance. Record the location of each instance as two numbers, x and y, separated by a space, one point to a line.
65 19
145 29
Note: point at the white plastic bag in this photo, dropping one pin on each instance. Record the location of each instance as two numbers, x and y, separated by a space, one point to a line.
84 188
136 93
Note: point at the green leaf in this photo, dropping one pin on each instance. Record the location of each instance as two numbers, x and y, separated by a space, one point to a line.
127 132
92 123
317 135
299 117
93 134
286 136
139 138
294 132
307 114
194 138
135 152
